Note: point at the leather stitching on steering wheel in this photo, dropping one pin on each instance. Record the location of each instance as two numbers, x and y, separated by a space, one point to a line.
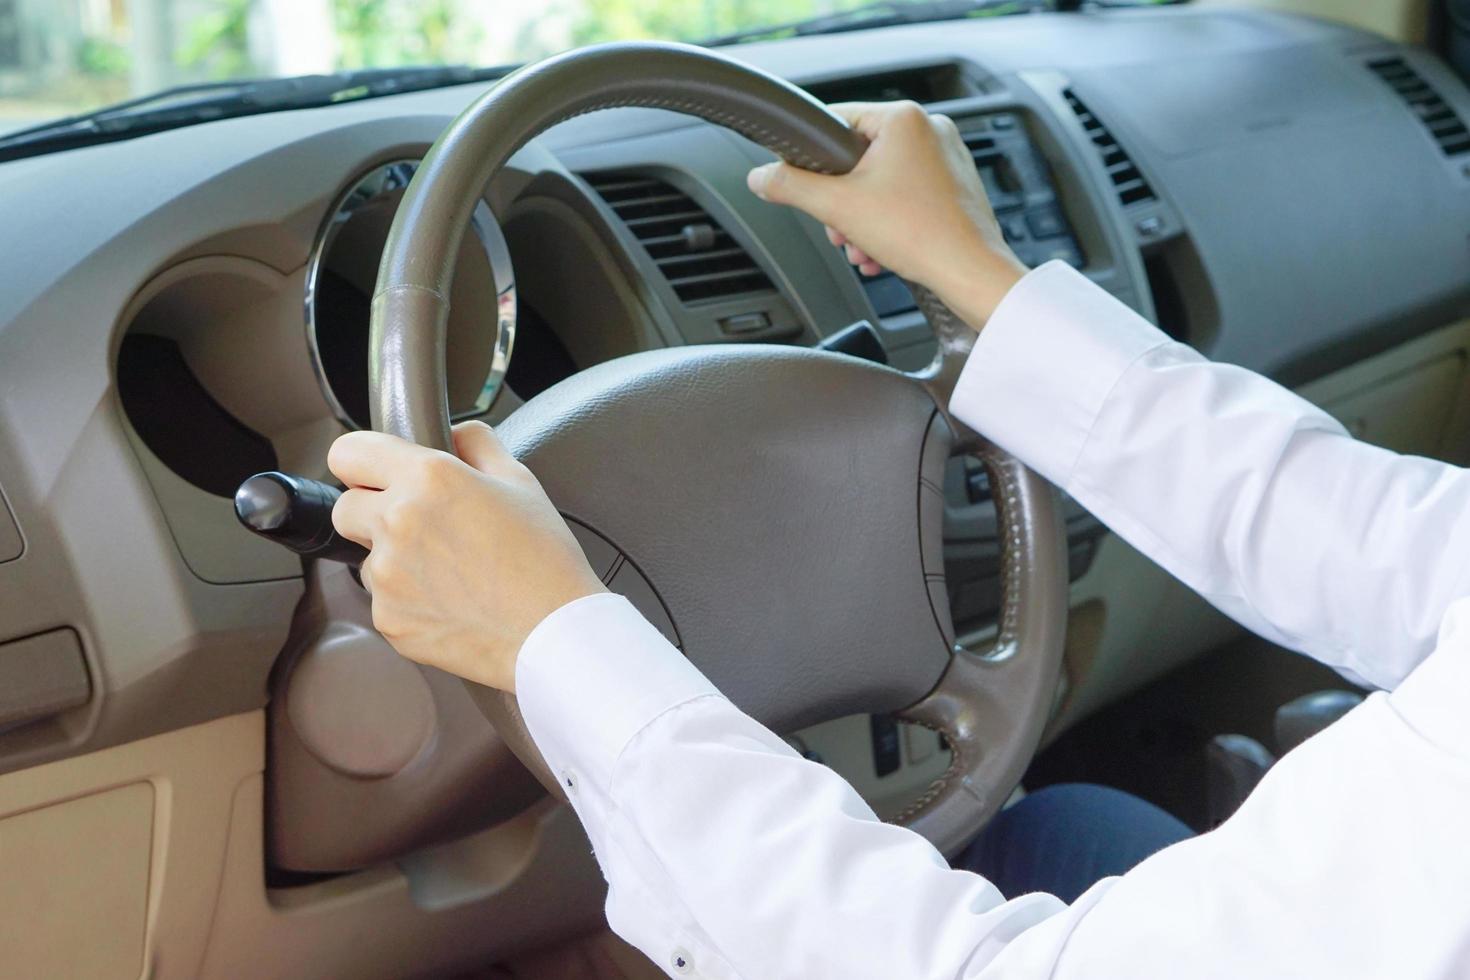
1008 505
941 783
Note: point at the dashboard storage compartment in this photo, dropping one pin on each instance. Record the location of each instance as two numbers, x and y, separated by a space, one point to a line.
74 895
41 676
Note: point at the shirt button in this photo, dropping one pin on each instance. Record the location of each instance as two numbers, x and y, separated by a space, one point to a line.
682 962
568 780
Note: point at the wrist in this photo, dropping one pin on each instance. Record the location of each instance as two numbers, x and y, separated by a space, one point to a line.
974 285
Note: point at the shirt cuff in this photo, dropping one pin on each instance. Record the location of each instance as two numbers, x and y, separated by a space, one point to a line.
1044 365
591 676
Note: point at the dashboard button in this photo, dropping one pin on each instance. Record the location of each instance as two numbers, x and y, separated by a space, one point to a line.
41 676
745 322
1046 223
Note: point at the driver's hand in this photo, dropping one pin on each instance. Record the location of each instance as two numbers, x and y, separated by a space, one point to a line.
913 204
468 554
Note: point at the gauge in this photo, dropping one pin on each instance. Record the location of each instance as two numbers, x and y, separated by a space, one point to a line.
340 280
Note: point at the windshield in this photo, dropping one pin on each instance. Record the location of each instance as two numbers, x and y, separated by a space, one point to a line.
62 58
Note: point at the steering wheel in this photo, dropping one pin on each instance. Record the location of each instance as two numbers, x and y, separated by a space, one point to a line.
785 504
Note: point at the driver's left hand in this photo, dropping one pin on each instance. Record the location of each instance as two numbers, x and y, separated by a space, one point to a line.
468 554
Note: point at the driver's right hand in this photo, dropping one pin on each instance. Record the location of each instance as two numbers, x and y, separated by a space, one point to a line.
913 204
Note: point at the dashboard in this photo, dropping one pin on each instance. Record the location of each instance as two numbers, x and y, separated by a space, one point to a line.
184 309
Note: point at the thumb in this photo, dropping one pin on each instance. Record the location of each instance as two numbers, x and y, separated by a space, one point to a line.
477 444
782 183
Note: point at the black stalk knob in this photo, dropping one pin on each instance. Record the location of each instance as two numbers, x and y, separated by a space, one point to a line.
297 513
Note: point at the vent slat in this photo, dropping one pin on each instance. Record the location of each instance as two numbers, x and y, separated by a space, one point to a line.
686 212
662 247
1436 115
1456 146
722 253
698 258
1128 180
653 204
724 275
721 287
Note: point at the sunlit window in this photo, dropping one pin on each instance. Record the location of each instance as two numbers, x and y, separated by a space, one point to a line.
63 56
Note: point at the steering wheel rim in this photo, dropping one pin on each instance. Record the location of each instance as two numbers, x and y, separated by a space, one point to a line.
990 707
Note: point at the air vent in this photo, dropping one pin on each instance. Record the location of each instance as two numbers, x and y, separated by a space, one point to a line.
698 257
1443 123
1127 181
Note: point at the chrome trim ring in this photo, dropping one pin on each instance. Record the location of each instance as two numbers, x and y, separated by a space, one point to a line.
390 178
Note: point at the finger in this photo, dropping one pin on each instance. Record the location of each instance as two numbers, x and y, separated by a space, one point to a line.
782 183
857 256
870 268
944 125
865 117
370 459
477 444
836 237
356 514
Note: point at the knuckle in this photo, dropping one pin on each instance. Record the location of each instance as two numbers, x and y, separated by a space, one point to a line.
383 572
519 472
910 111
399 517
438 470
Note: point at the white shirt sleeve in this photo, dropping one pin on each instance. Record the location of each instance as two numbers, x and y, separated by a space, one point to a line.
728 855
1248 494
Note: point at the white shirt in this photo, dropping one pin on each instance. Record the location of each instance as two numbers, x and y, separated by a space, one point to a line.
729 855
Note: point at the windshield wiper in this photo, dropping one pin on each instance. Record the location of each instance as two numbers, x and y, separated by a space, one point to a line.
189 104
884 13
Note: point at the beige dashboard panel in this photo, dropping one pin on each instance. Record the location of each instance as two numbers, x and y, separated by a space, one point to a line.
74 893
146 860
1408 411
1413 399
112 860
527 884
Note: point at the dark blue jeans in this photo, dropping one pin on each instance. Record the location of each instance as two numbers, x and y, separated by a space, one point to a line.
1065 838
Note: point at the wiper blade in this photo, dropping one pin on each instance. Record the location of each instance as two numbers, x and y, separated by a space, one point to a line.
189 104
884 13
